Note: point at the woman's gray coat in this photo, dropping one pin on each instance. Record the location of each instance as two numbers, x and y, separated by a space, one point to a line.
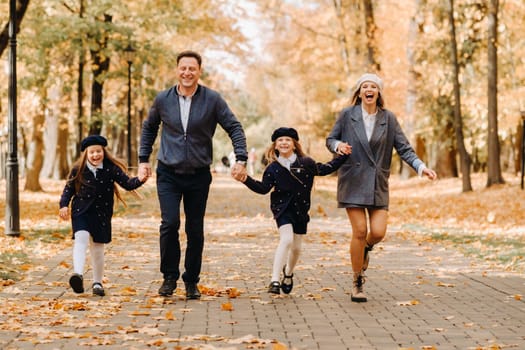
363 178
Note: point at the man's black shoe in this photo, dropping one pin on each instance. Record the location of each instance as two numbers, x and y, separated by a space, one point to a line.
192 291
167 288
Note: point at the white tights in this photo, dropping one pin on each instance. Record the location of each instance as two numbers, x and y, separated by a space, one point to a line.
287 251
82 238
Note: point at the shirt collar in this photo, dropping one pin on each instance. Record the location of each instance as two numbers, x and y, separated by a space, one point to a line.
366 114
181 95
286 162
94 168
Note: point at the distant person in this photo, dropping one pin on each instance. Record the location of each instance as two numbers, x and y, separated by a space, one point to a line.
189 114
290 174
371 132
225 161
91 190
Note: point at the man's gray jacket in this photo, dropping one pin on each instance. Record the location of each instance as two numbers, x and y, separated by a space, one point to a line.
193 148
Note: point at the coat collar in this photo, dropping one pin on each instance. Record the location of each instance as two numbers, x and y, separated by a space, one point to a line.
357 123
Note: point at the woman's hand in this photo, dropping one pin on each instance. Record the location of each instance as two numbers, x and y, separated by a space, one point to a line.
431 174
344 148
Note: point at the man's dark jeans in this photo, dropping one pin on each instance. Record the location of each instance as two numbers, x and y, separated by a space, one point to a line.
192 189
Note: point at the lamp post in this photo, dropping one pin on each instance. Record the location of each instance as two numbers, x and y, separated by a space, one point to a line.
129 54
12 208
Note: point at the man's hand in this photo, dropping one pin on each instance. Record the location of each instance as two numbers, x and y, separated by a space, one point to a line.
144 171
239 172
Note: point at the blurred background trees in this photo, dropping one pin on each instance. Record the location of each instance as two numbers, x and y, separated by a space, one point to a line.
453 71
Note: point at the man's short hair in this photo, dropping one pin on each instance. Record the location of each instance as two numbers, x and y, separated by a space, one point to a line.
189 53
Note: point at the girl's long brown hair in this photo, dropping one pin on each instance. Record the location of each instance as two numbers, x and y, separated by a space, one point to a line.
272 153
80 164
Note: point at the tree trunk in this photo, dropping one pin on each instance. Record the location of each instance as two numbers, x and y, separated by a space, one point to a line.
100 68
35 158
21 8
371 44
62 166
80 90
343 41
464 157
493 163
411 85
518 148
446 164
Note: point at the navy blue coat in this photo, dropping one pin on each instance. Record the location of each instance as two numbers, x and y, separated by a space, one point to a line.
292 188
92 205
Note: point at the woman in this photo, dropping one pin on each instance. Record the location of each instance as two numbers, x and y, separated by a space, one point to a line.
371 132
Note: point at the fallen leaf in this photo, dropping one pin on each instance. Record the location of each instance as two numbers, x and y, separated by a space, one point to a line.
441 284
227 307
408 303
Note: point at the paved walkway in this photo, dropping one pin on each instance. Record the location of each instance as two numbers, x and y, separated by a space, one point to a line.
421 296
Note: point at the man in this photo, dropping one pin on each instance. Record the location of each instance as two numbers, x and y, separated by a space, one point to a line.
189 114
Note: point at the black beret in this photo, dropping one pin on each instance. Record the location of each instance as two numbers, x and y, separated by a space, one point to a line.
93 140
290 132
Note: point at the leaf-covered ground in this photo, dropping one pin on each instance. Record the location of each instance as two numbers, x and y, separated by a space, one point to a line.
488 223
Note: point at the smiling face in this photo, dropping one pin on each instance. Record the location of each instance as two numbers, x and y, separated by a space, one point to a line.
95 154
188 72
285 146
369 93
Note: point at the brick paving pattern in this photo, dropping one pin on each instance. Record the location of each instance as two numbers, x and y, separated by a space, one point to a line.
420 296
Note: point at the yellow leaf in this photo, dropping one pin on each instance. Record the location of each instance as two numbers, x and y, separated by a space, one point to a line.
408 303
129 291
441 284
517 296
233 292
140 313
279 346
25 267
227 307
170 316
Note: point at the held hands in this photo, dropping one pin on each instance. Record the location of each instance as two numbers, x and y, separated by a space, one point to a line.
144 172
344 148
239 172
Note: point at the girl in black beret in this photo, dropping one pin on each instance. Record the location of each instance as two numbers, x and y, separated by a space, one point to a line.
290 173
91 189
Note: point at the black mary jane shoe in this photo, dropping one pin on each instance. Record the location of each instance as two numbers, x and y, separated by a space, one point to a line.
274 288
98 289
77 283
287 288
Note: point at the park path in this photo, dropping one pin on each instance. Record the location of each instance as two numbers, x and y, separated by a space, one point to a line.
421 295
